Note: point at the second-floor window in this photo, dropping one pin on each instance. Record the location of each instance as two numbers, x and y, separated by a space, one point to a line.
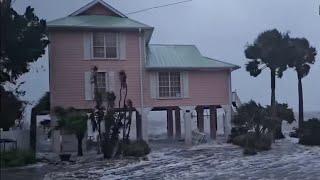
105 45
169 85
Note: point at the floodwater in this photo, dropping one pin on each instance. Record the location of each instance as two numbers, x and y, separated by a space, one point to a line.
173 160
214 161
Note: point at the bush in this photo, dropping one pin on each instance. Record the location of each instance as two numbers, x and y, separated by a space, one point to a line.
16 158
242 140
264 143
310 133
107 149
249 151
250 141
136 149
255 117
237 131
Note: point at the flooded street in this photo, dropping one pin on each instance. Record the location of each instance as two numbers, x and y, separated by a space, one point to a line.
172 160
223 161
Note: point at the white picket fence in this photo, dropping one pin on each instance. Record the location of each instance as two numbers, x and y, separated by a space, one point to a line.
21 136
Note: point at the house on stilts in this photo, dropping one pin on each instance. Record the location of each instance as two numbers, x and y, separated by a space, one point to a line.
160 77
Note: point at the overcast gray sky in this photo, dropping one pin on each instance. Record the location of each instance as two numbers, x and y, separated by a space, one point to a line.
220 29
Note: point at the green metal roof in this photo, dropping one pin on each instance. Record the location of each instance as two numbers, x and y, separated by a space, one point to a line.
96 22
181 57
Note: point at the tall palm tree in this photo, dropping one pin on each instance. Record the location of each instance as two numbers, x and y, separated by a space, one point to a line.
269 50
302 56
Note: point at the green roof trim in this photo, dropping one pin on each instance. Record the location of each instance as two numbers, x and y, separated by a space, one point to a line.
96 22
181 57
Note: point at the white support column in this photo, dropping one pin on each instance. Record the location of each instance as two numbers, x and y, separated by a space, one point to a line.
55 138
56 141
187 113
187 127
89 127
102 127
227 120
144 122
53 120
228 109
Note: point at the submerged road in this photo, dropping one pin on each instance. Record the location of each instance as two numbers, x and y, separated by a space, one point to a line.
172 160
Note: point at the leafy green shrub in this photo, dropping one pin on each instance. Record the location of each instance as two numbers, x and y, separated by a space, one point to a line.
242 140
249 151
136 149
250 141
16 158
255 117
237 131
264 143
310 134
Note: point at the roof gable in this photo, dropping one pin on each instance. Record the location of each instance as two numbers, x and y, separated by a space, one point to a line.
96 22
98 7
91 22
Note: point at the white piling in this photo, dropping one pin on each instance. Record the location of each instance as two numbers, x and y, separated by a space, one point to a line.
187 127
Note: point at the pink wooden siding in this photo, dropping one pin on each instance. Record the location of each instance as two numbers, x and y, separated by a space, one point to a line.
98 9
67 69
205 88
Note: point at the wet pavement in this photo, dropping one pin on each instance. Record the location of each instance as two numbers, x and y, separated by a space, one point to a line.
173 160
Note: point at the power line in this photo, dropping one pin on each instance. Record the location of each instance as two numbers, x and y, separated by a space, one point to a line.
160 6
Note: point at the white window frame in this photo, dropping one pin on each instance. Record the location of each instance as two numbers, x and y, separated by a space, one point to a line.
169 80
105 81
104 46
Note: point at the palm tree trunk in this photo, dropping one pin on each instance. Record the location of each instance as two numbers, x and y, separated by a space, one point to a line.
300 92
80 137
277 132
273 92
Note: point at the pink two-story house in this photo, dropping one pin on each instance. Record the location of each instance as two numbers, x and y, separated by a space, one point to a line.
173 78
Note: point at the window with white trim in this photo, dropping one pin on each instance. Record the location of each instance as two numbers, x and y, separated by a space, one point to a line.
105 45
101 82
169 85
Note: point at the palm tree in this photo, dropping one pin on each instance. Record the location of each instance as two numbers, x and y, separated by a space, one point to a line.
269 50
301 57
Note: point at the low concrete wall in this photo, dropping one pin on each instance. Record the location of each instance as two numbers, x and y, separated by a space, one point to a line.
21 136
